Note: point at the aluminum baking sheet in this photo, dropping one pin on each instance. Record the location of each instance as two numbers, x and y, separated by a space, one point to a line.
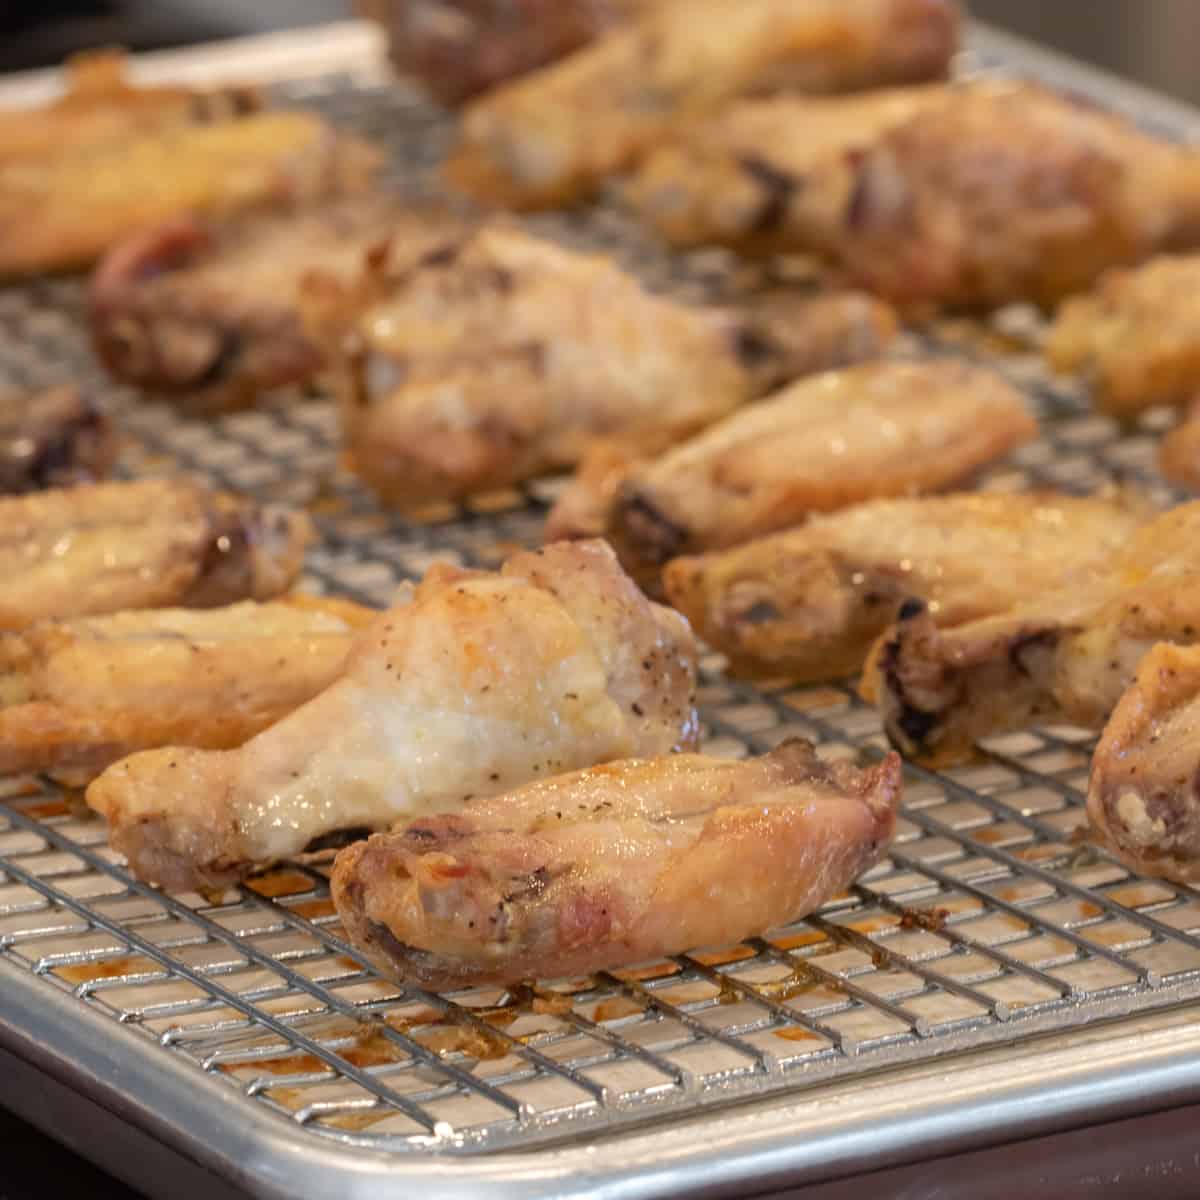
248 1035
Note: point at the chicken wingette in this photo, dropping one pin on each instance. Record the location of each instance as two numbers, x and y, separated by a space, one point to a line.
615 865
809 603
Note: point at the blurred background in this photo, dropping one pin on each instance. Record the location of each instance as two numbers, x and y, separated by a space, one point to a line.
1153 41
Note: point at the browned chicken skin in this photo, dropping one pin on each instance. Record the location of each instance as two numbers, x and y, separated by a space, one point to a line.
1135 339
502 356
210 312
78 695
481 682
614 865
1179 452
769 174
975 194
1142 798
552 137
266 160
106 547
879 430
1067 655
809 603
55 438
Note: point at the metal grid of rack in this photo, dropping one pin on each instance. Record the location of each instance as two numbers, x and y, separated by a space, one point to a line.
990 922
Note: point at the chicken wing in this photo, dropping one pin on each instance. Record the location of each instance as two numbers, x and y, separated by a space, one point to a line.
503 356
53 438
769 173
809 603
268 159
1142 797
77 695
101 105
210 311
106 547
553 136
615 865
1067 655
483 682
1009 192
884 429
1136 338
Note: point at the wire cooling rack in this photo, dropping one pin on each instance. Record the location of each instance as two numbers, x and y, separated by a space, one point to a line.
992 921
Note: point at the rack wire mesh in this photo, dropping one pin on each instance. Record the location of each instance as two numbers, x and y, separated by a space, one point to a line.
990 922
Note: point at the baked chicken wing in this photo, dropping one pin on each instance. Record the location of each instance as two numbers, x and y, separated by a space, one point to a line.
78 695
809 603
1142 796
1067 655
264 160
615 865
54 438
550 138
101 105
1136 338
1003 192
210 311
502 356
883 429
482 682
768 173
107 547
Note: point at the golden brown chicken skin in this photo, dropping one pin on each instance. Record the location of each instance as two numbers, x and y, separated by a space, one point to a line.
77 695
101 105
106 547
1007 193
552 137
615 865
809 603
270 159
209 312
873 431
503 356
54 438
481 682
1067 655
1135 339
1142 797
772 173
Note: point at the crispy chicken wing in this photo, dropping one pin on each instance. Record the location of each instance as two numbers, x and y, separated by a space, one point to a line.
884 429
78 695
1142 798
1065 655
53 438
483 682
502 356
614 865
101 105
210 311
553 136
1136 338
768 173
106 547
1005 192
268 159
809 603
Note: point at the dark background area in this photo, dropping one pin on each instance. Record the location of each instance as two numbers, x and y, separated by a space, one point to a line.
1153 41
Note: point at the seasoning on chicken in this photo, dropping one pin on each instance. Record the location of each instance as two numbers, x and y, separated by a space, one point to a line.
615 865
481 682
